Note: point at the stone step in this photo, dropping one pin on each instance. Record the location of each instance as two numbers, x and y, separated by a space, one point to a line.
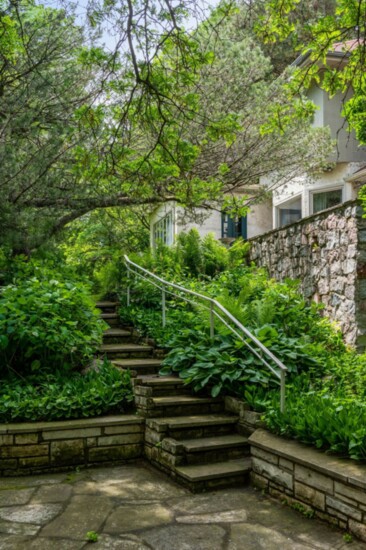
177 405
211 476
125 350
111 318
213 443
139 367
171 453
106 304
116 333
189 427
156 381
107 316
213 449
160 386
156 387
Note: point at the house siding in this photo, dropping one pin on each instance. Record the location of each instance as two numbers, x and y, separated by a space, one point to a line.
305 185
259 220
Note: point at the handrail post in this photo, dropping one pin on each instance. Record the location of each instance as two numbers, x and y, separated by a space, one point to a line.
212 320
282 398
128 286
163 306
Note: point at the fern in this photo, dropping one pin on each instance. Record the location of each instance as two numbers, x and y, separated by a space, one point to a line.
239 311
215 255
263 312
238 251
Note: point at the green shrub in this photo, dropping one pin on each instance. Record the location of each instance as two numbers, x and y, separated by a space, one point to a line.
149 321
346 376
190 253
219 363
325 421
227 365
59 397
193 257
46 323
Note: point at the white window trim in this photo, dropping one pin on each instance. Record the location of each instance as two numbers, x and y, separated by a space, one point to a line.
171 215
322 189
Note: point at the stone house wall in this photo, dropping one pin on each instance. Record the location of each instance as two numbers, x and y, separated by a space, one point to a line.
330 488
327 253
28 448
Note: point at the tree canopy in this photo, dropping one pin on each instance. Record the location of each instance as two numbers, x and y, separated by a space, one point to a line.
169 114
343 28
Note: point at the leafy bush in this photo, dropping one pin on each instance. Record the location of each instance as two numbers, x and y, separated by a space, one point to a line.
346 376
48 264
217 363
193 257
95 245
46 323
329 423
58 397
227 365
189 253
149 322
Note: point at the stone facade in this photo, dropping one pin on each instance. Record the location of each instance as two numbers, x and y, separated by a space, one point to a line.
332 489
327 253
52 446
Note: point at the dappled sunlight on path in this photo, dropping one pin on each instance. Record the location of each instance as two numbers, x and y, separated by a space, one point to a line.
133 507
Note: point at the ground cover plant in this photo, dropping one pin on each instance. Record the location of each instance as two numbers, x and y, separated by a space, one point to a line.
326 380
47 321
56 396
50 331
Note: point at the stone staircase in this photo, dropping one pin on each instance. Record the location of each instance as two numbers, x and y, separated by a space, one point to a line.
122 346
190 437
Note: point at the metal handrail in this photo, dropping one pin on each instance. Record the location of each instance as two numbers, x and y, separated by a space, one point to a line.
164 286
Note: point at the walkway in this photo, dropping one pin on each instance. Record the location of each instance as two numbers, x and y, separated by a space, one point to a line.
134 507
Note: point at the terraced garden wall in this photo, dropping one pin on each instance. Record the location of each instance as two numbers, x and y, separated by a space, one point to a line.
329 488
327 253
50 446
317 484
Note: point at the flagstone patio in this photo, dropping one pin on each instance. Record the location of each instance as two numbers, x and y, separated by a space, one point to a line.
134 507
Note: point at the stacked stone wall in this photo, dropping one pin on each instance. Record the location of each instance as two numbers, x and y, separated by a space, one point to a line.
326 487
326 252
53 446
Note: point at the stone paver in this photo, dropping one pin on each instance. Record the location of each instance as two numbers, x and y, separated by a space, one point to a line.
15 496
134 507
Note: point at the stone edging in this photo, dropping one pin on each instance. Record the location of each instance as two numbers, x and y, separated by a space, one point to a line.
331 488
28 448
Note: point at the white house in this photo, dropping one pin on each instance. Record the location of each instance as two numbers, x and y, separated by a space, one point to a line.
296 199
307 194
168 220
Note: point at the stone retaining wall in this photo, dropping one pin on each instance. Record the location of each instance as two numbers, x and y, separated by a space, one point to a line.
330 488
249 421
327 253
50 446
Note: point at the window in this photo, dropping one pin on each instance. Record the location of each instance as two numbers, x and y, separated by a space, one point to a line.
326 199
233 227
289 212
163 230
